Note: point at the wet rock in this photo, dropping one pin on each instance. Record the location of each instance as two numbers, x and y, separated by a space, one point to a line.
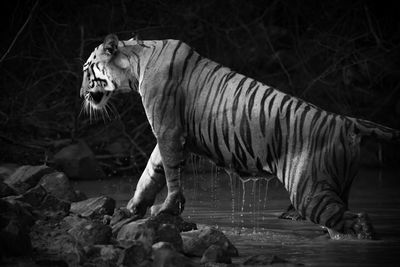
216 254
15 240
136 254
6 169
95 207
169 233
6 190
26 177
152 230
196 242
77 161
138 230
166 256
57 184
262 260
162 244
91 233
179 223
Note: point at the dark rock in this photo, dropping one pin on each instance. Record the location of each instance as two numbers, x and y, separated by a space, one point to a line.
169 233
79 196
162 245
15 240
119 215
6 169
103 255
6 190
54 206
77 161
52 242
34 196
196 242
166 256
192 244
94 207
152 230
216 254
51 262
136 254
180 224
18 211
58 185
262 260
91 233
139 230
26 177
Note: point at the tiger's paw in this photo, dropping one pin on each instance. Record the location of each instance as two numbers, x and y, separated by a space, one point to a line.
291 214
355 226
174 204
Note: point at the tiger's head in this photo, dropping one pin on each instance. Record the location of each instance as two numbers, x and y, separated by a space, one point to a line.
107 71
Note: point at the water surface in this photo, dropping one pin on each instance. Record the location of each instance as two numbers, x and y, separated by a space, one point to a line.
252 225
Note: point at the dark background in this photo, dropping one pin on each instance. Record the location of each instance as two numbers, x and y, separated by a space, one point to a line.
341 55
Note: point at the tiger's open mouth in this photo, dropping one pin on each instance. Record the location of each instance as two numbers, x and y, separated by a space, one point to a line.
96 97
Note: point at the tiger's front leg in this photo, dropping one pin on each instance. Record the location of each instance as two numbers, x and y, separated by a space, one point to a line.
173 158
150 184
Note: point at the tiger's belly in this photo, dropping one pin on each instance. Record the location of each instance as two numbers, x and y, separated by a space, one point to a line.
237 160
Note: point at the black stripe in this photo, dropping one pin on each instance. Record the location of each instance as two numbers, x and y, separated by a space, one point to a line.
251 103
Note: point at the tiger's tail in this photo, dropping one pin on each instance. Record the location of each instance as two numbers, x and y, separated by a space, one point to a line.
372 129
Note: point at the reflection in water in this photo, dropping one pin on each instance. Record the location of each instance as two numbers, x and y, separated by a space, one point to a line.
247 211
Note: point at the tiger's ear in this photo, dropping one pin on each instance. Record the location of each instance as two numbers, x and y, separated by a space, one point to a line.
110 44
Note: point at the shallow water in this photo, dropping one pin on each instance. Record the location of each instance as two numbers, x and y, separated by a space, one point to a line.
252 224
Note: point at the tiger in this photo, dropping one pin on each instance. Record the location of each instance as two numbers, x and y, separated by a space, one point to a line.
195 105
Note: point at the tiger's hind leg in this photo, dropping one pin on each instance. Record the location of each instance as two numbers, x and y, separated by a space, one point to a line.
150 184
328 209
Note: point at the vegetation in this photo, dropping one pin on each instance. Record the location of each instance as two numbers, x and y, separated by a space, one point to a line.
341 55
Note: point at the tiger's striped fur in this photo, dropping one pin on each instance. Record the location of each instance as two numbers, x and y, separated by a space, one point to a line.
196 105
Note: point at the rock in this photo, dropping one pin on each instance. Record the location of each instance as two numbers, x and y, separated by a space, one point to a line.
152 230
26 177
95 207
180 224
6 190
79 196
138 230
91 233
196 242
77 161
15 240
162 244
136 254
53 244
169 233
54 207
6 169
166 256
193 245
18 211
103 255
262 260
216 254
34 196
58 185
